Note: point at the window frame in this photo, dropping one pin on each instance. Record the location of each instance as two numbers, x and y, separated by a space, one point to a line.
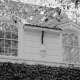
9 40
70 31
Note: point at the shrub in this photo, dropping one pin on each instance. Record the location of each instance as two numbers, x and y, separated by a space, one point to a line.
15 71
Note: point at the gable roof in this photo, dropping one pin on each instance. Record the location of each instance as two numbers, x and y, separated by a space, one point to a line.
61 26
38 26
51 23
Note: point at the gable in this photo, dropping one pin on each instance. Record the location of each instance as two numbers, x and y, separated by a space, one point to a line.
69 26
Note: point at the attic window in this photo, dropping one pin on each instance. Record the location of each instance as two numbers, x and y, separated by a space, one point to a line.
70 46
8 39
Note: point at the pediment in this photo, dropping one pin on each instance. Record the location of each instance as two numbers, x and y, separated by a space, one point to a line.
69 25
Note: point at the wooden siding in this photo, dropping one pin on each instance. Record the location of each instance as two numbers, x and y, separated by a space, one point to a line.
32 42
51 40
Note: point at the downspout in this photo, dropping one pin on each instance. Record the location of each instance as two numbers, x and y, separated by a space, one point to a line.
42 46
42 38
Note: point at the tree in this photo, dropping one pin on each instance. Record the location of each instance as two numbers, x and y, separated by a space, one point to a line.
42 13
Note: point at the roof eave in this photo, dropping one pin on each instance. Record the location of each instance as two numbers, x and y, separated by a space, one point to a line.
42 28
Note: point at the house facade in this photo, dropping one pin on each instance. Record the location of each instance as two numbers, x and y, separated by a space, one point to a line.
37 34
36 43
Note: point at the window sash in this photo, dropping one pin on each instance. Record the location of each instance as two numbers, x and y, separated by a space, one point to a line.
9 45
70 40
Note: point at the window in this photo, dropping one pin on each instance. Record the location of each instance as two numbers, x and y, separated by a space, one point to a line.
70 46
8 39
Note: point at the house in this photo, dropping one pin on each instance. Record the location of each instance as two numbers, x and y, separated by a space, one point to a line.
36 43
45 43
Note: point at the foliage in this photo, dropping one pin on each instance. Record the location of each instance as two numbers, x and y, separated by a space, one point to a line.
46 13
15 71
69 7
33 14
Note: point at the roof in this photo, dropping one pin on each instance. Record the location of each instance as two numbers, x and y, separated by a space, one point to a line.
55 28
33 15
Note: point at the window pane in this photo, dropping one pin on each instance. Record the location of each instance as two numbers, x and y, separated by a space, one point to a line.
3 26
70 49
1 34
15 36
71 52
14 52
65 53
70 40
8 28
14 28
1 51
8 35
77 57
64 39
7 51
76 41
7 43
1 43
14 44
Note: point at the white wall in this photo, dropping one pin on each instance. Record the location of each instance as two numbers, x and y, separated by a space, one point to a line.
32 42
52 42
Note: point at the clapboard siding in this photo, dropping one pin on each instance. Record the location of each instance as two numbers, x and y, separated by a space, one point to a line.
38 57
32 56
30 37
36 44
48 39
31 50
52 52
54 58
51 34
51 40
32 42
52 46
33 32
